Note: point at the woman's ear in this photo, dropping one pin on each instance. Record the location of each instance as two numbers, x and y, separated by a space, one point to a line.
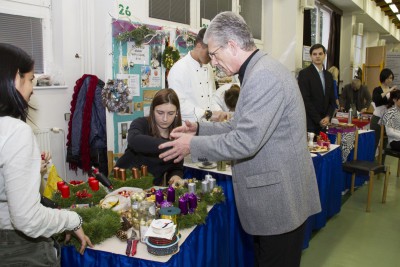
17 80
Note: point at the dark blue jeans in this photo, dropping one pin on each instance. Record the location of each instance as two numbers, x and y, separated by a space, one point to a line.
17 249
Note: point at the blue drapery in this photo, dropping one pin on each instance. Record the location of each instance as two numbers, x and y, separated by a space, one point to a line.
207 245
328 169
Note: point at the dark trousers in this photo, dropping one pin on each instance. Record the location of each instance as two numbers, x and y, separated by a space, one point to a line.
282 250
395 145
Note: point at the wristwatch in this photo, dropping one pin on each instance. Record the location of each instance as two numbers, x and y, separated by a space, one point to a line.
208 114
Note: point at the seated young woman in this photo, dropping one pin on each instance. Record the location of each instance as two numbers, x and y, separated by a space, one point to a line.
391 120
147 133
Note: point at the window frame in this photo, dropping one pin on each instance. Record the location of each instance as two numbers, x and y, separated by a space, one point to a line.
36 9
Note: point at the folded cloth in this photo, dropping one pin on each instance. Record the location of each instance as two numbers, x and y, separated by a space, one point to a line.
151 233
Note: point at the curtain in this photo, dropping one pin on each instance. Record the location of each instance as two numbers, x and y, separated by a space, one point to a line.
334 40
307 28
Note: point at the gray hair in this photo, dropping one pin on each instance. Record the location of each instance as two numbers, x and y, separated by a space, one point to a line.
230 26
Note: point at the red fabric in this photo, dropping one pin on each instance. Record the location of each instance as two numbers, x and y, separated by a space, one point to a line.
87 114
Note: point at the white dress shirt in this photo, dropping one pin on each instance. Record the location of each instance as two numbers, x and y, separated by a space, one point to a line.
20 207
194 85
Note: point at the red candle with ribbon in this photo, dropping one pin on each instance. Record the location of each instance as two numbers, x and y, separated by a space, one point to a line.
94 185
59 185
64 191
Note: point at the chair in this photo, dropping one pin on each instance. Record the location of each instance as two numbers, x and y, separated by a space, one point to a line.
388 151
111 159
368 168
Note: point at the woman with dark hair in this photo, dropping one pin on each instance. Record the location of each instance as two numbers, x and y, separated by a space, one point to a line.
391 120
25 225
380 98
147 133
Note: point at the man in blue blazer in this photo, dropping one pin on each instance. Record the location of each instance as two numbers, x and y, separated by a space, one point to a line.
317 89
272 172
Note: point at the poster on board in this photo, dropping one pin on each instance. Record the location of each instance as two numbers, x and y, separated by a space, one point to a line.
393 63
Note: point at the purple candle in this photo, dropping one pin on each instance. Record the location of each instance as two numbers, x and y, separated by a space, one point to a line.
159 196
192 202
183 205
171 194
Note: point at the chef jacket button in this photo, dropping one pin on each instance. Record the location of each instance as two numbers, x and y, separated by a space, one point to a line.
201 96
200 83
208 95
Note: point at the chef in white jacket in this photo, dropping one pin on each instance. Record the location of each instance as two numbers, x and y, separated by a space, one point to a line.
192 78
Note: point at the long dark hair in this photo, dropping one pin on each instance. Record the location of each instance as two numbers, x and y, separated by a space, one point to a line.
394 95
13 60
164 96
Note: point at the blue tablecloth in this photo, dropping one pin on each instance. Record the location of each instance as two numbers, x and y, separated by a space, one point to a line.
241 251
366 151
328 169
207 245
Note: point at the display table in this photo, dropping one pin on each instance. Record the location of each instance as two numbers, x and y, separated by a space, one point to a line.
366 144
328 168
203 245
357 122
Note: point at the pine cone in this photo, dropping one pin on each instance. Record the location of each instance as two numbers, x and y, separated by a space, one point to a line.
122 235
125 224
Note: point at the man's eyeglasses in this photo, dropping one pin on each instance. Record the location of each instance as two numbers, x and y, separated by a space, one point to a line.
212 54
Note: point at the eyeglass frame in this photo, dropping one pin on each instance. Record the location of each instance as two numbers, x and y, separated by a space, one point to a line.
212 54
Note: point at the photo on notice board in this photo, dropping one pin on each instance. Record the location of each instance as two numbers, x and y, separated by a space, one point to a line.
138 106
148 96
146 76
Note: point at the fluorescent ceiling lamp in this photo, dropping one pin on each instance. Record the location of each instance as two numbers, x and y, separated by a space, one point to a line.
398 16
393 7
388 1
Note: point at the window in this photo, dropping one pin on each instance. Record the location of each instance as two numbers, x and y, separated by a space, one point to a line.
210 8
320 25
251 11
171 10
29 36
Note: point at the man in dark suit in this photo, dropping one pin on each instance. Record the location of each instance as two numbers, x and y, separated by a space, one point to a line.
316 86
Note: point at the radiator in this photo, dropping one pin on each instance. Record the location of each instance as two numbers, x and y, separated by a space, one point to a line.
53 140
43 139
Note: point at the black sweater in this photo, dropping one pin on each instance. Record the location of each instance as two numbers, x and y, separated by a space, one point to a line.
143 150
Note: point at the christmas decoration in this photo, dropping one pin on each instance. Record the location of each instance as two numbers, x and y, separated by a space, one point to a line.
115 95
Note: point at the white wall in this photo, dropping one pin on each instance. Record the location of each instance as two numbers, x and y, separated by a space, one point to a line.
283 31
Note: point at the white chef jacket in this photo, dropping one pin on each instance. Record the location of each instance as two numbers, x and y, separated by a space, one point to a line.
20 207
194 85
218 100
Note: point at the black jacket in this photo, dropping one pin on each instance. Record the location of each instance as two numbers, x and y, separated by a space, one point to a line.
143 150
317 104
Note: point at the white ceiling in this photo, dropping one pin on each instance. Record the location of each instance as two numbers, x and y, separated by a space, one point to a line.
370 25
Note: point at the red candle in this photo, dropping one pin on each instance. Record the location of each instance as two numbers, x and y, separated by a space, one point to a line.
91 179
94 184
64 191
59 184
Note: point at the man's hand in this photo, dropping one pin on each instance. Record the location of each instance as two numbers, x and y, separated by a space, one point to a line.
324 122
219 116
188 127
179 147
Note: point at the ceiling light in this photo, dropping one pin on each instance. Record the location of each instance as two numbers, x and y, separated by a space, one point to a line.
388 1
393 7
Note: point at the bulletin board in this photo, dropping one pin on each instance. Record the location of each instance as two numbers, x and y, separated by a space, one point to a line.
139 66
